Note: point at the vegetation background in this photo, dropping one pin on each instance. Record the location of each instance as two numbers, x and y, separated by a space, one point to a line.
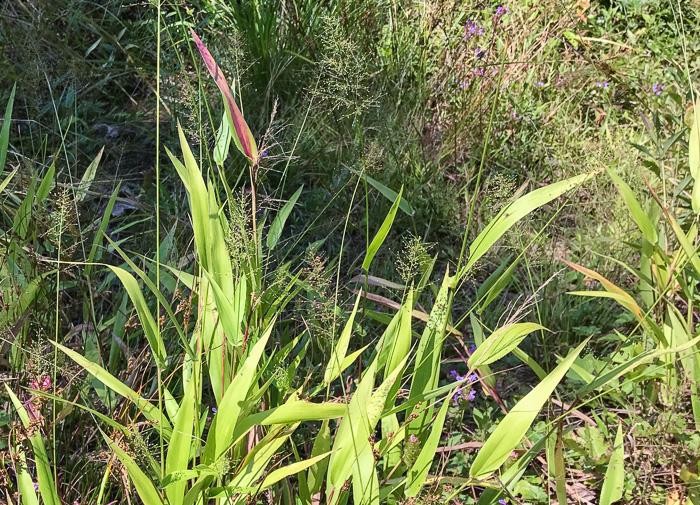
395 142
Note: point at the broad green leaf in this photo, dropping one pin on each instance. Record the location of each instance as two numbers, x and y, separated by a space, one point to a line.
277 226
633 362
322 445
182 439
501 342
693 144
46 184
25 485
379 238
88 177
222 428
640 217
391 195
149 410
353 433
150 329
7 180
230 317
144 486
97 241
47 487
223 141
515 211
5 132
428 356
510 431
613 485
495 284
419 471
284 472
341 347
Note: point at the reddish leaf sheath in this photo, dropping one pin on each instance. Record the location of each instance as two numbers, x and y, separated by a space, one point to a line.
245 138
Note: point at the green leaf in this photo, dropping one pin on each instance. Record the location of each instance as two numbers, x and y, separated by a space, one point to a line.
47 487
294 468
515 211
613 485
352 437
46 184
5 131
379 238
182 439
149 410
150 328
88 177
7 180
640 217
501 342
322 445
693 143
428 356
511 430
341 347
144 487
277 226
419 471
220 434
223 141
97 241
391 195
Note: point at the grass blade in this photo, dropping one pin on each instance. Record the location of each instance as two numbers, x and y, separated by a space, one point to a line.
379 238
510 431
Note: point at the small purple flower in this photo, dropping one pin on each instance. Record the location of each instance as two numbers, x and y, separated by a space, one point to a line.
599 84
472 348
500 10
472 29
502 501
36 486
473 378
479 71
539 84
471 396
464 84
213 409
606 85
658 89
264 153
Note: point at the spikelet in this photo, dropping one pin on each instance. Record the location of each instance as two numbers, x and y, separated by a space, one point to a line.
411 450
376 403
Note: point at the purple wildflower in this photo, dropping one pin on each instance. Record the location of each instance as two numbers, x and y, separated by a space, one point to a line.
471 396
264 153
479 71
36 486
500 10
658 89
472 29
539 84
473 378
502 501
213 409
472 348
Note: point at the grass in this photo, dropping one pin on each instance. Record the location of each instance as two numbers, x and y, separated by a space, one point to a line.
451 259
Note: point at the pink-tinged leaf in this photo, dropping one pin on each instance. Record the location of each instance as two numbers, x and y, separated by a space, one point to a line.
246 142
